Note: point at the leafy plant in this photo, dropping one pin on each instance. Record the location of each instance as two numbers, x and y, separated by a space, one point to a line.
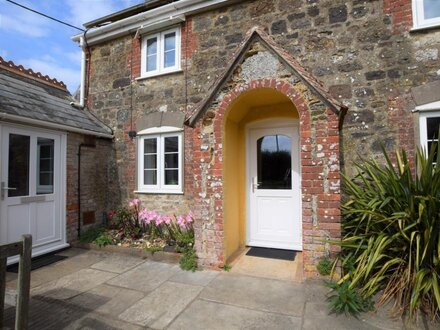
325 266
346 299
189 260
153 249
103 240
391 231
226 267
90 235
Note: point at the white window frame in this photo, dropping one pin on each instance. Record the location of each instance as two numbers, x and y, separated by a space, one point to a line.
160 69
431 110
419 21
159 133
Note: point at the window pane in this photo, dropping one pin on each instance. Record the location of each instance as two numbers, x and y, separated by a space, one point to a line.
150 161
150 146
274 162
172 161
150 177
170 41
152 46
172 144
431 146
45 163
18 169
170 59
171 177
151 63
432 125
431 8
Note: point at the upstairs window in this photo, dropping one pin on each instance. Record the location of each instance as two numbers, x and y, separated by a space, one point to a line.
426 13
160 162
429 122
161 53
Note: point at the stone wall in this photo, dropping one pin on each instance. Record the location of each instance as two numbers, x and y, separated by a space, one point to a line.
361 50
99 183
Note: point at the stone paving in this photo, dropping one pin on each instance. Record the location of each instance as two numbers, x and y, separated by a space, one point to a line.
95 290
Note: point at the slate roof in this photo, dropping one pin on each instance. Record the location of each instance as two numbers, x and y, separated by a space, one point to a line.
28 98
284 56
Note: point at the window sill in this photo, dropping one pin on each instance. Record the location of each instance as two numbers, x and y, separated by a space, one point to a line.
425 27
159 192
159 74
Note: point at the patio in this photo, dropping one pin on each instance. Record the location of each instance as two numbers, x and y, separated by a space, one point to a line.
98 290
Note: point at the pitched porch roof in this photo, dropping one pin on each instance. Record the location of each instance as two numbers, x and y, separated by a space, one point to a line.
307 78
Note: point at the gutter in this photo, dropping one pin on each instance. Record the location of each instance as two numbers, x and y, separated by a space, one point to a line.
83 72
130 24
46 124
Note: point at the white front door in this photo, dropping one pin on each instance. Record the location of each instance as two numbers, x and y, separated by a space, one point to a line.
32 188
274 219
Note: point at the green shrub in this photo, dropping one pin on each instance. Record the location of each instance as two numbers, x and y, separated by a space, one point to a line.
325 266
346 299
226 267
189 260
90 235
103 240
391 231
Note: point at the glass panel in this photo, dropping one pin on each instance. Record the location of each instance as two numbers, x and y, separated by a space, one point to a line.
170 41
170 59
172 144
151 63
274 162
45 163
432 125
150 146
18 169
431 8
172 161
150 177
430 146
150 162
171 177
152 46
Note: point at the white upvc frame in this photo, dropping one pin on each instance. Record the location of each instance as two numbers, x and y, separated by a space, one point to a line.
159 135
419 21
160 68
423 116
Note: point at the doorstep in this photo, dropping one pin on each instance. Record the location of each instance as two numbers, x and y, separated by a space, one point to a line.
161 256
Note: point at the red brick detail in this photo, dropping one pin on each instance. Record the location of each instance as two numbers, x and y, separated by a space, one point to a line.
320 177
189 41
134 57
400 12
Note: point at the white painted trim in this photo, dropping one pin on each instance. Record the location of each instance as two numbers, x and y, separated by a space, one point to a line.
419 21
152 18
42 123
159 130
423 127
433 106
261 124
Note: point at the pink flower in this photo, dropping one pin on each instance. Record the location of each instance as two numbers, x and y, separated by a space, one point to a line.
148 216
167 219
111 214
189 217
134 202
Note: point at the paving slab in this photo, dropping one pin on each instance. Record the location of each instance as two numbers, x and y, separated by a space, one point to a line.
258 293
215 316
118 263
95 321
107 299
203 277
146 277
73 284
161 306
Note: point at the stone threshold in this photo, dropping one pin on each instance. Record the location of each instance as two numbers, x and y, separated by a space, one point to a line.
160 256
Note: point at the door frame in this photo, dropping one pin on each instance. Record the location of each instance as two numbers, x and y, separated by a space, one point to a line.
63 182
269 123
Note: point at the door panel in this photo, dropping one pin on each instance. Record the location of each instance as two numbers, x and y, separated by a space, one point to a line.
274 188
32 187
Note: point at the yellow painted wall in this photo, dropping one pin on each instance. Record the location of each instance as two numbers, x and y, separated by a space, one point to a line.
243 112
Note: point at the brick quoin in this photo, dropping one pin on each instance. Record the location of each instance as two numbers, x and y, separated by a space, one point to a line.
320 177
400 12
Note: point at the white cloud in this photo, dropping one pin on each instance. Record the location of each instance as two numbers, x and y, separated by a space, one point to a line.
82 11
26 23
47 65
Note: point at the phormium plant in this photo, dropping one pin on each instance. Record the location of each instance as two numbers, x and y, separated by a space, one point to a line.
391 231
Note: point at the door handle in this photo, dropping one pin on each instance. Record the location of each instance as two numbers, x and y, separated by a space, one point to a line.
4 188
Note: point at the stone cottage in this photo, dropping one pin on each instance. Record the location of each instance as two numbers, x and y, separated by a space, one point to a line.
52 162
248 111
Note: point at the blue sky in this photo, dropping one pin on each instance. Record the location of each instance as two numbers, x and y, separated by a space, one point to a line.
44 45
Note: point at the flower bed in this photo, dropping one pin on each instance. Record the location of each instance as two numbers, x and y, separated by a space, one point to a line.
135 227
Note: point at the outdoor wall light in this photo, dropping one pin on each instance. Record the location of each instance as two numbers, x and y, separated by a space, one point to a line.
132 134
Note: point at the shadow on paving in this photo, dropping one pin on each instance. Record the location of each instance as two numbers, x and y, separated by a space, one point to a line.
50 313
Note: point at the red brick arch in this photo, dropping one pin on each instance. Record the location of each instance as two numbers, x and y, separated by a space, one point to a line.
319 138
